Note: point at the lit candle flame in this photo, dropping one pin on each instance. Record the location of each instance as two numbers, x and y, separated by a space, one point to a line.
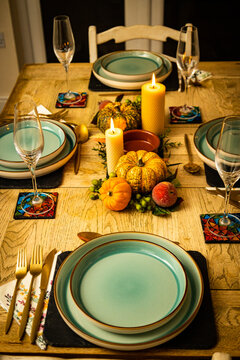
112 126
153 80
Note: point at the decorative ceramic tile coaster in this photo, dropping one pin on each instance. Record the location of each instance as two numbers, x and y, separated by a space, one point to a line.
226 236
20 214
79 101
177 117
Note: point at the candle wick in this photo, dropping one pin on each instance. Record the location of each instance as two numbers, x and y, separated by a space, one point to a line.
113 132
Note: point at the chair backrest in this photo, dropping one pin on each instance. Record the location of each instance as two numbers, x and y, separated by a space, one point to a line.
124 33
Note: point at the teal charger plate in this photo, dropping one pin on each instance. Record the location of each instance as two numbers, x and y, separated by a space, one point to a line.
87 330
129 286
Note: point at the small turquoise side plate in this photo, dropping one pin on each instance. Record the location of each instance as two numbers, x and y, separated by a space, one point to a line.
131 65
129 286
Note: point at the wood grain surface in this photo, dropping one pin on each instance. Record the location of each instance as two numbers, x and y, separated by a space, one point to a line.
217 97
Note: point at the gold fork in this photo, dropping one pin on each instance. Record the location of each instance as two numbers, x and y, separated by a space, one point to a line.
21 270
36 265
55 116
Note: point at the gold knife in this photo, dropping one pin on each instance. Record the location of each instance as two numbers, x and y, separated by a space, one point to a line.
221 193
43 286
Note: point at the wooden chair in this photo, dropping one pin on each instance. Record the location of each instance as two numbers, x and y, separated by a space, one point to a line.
124 33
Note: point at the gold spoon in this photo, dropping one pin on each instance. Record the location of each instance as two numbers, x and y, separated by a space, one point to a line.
190 167
82 136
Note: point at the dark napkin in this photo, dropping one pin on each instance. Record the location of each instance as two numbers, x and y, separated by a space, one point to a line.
214 179
200 334
171 82
48 181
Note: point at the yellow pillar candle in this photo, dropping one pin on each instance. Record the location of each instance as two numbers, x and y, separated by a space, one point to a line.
114 146
153 107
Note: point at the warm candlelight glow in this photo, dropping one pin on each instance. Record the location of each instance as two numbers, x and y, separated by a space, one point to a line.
112 127
153 80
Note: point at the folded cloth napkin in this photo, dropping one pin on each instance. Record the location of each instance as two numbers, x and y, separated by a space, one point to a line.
6 292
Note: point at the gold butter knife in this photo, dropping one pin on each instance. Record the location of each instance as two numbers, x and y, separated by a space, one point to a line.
43 286
216 191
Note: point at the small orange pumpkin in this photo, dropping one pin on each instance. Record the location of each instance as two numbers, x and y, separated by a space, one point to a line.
115 193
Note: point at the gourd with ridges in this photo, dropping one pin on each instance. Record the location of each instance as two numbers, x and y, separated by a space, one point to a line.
125 116
142 170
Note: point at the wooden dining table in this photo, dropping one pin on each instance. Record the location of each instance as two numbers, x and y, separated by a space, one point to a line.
218 96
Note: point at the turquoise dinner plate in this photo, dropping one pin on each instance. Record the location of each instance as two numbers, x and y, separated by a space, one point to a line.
131 65
128 85
89 331
200 142
54 142
129 286
61 159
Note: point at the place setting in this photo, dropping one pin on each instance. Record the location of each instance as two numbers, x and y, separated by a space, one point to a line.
150 263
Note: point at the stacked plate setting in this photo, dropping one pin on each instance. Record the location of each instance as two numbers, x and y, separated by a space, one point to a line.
131 69
206 139
59 146
128 291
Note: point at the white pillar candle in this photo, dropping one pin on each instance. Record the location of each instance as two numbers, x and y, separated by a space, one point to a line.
153 107
114 146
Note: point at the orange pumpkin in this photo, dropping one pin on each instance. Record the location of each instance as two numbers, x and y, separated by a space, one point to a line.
115 193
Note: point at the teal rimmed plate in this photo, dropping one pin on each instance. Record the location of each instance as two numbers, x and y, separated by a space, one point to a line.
201 145
54 142
89 331
128 85
128 286
54 164
131 65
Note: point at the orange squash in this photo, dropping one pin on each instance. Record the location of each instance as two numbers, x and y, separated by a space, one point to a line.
115 193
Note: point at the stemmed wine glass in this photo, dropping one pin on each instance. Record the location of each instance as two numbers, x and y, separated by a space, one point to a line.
187 59
227 160
64 48
29 142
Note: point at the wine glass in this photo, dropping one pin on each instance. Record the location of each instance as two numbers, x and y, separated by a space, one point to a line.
29 142
187 60
64 48
227 160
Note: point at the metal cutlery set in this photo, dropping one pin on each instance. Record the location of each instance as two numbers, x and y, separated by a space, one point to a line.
36 268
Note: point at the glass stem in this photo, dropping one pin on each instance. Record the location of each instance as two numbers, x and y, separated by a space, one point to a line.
186 92
225 220
67 80
36 199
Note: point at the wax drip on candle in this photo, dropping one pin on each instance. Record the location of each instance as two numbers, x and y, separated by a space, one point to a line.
153 81
112 127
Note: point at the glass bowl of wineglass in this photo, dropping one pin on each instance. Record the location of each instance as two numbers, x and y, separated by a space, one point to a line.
64 48
187 60
227 161
29 141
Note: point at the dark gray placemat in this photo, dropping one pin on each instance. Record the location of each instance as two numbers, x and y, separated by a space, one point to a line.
49 181
200 334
